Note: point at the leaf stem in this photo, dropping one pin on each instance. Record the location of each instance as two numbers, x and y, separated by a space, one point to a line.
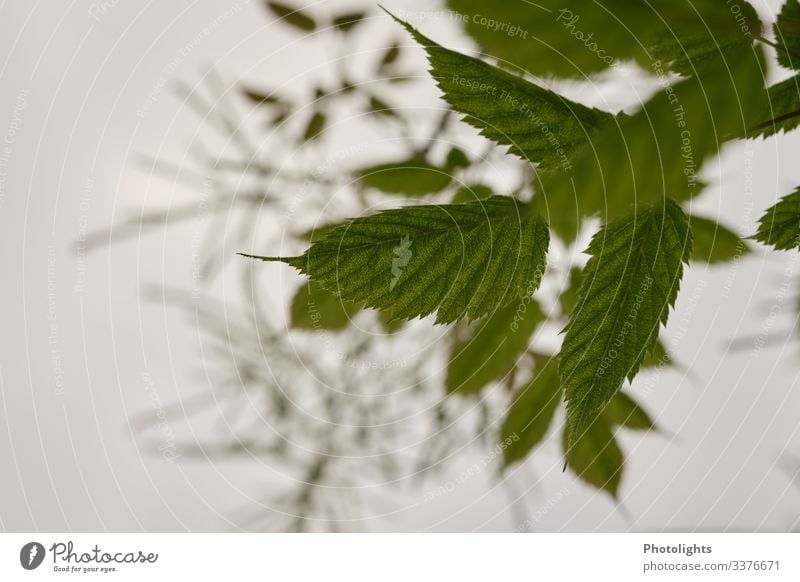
777 47
775 120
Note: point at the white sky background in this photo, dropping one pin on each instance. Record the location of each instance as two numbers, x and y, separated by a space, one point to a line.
68 460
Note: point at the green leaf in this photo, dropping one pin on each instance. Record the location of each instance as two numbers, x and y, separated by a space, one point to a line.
575 39
569 296
456 158
262 98
459 260
315 308
388 324
347 22
657 356
595 456
624 411
714 243
390 56
471 193
780 225
379 107
657 152
531 412
411 177
315 126
787 33
493 350
537 124
780 110
296 18
629 284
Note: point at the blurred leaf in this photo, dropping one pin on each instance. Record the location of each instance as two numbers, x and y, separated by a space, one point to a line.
390 56
629 284
780 110
460 260
531 412
315 126
471 193
412 177
296 18
261 98
657 152
390 325
493 348
780 225
575 39
315 308
569 296
347 22
538 125
787 34
713 243
380 107
456 158
595 456
656 356
623 411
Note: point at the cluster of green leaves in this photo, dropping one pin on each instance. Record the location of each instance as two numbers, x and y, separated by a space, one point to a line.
482 257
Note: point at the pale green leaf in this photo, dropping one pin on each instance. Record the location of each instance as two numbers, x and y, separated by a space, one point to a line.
595 456
537 124
348 21
315 308
531 412
657 356
780 225
624 411
714 243
575 39
494 347
471 193
629 284
411 177
458 260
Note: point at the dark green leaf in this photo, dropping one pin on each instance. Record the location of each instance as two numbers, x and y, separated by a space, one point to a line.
787 33
780 110
412 177
493 350
537 124
629 284
780 225
713 243
296 18
531 412
569 296
315 308
459 260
